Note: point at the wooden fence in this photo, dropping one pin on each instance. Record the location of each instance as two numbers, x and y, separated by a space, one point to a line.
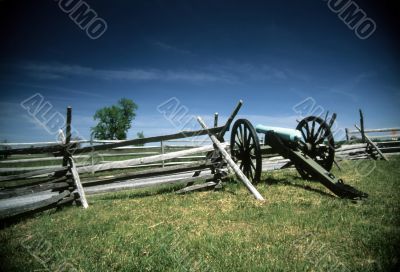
66 179
369 143
24 163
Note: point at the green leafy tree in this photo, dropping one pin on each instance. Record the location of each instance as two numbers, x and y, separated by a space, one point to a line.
140 135
115 121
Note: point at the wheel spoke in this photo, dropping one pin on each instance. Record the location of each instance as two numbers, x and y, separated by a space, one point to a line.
249 137
252 165
308 131
241 134
304 135
242 165
312 130
245 138
244 170
251 147
316 136
239 139
251 175
239 144
321 139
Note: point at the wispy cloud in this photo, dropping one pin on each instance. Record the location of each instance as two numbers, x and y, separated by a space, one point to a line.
349 87
173 49
227 72
57 71
360 78
239 71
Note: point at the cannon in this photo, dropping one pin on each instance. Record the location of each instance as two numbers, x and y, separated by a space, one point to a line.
310 148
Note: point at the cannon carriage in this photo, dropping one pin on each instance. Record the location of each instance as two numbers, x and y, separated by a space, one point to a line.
310 147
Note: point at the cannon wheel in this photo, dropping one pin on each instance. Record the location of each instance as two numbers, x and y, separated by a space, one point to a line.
245 149
318 137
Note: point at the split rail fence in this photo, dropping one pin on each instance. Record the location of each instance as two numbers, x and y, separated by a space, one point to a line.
364 143
68 178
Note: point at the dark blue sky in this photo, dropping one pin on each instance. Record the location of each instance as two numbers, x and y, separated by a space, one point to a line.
208 54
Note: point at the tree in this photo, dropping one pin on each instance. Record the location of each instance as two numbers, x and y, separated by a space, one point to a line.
140 135
115 121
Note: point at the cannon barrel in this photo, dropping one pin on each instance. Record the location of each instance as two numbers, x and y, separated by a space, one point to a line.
287 134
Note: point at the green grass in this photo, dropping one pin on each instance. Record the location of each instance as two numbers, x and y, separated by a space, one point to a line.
300 227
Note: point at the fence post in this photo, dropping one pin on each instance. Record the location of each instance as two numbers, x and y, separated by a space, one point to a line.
347 135
162 153
362 126
91 153
67 135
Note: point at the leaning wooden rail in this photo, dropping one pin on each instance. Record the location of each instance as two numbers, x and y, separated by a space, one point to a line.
183 134
78 183
60 147
231 163
369 141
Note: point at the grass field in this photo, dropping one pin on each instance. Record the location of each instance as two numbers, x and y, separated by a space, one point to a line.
300 227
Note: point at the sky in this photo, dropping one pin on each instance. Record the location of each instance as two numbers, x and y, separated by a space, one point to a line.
204 55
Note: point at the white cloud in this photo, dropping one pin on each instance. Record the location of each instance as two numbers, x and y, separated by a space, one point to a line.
57 71
227 72
173 49
238 71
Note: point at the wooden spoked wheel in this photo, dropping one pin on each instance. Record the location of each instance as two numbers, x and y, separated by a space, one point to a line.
319 143
245 149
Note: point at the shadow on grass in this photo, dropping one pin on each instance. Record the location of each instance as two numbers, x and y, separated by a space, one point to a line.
285 182
140 194
14 220
159 191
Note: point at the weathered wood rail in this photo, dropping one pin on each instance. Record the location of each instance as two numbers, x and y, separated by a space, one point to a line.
380 142
66 181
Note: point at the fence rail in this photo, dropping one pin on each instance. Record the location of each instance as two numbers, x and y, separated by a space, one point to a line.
387 142
362 132
67 181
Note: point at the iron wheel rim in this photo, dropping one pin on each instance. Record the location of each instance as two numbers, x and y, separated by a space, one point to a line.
245 149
